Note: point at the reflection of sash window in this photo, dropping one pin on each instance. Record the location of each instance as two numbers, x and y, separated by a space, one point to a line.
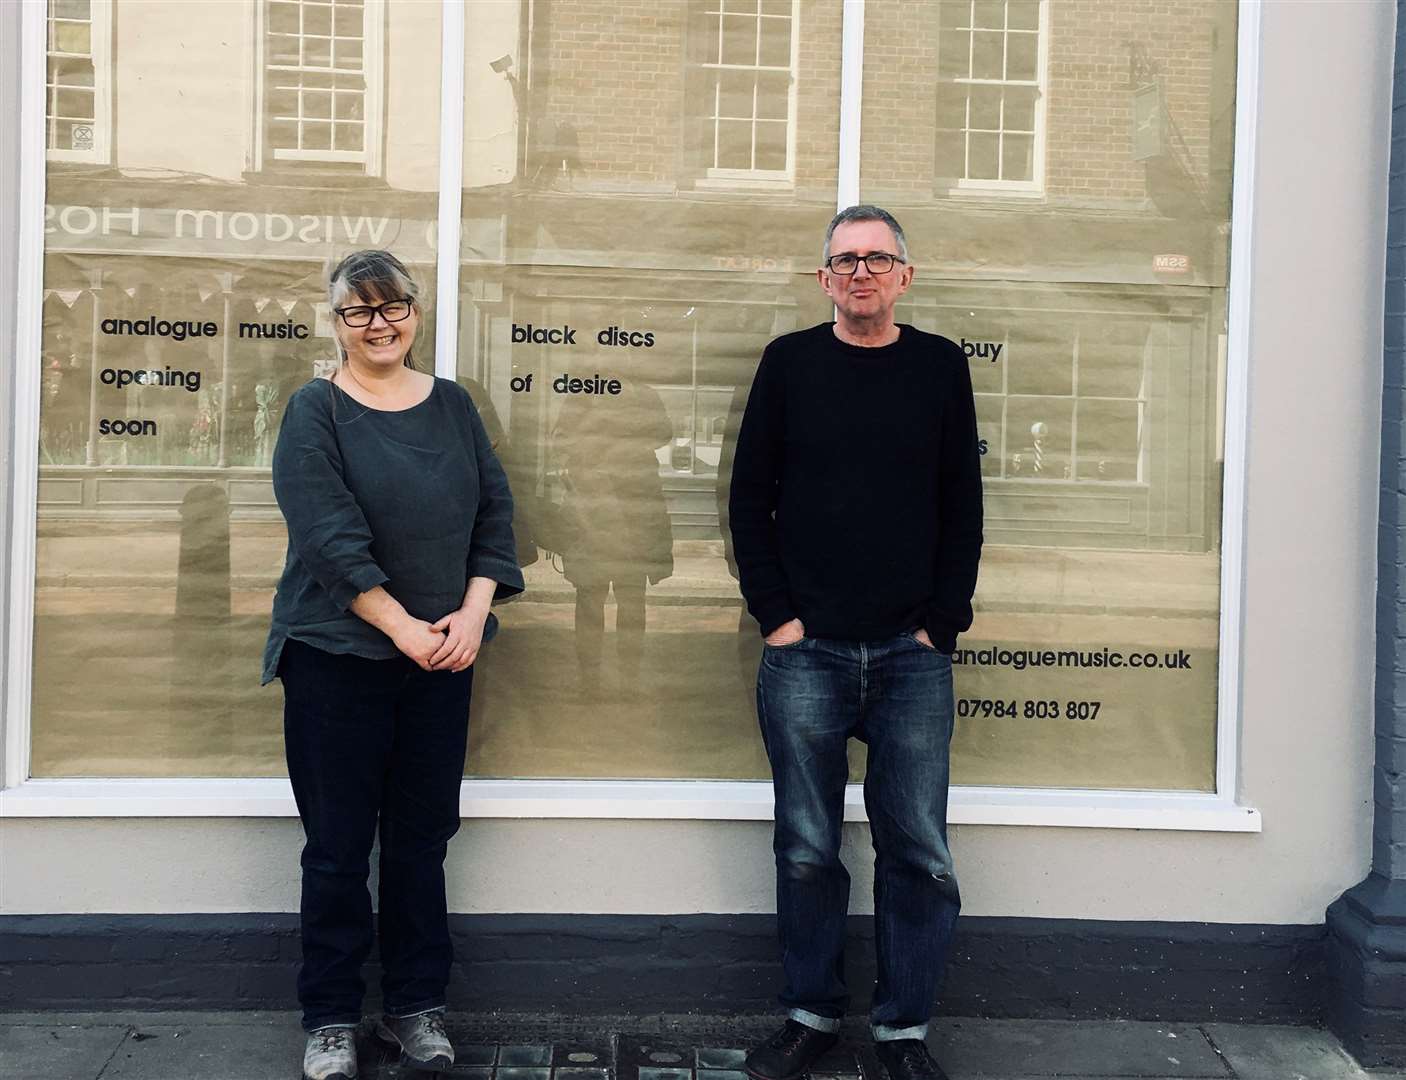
1070 397
78 85
742 93
321 87
990 95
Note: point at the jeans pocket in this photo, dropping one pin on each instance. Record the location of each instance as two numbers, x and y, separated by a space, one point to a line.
789 645
912 636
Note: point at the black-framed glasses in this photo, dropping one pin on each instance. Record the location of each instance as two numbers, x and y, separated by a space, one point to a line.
877 262
363 314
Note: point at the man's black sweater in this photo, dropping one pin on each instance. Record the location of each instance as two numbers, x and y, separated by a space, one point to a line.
856 488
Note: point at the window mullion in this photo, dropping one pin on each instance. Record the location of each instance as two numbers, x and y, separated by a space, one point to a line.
451 183
851 101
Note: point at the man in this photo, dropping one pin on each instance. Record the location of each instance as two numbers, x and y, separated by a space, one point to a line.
856 522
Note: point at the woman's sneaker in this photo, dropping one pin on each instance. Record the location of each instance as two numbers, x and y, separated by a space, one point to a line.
421 1039
330 1054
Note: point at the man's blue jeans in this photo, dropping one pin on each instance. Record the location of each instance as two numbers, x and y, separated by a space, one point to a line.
896 696
373 744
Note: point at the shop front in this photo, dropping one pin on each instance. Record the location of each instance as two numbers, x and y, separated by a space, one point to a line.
611 208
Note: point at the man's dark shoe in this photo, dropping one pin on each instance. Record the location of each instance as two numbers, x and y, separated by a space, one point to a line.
908 1059
789 1053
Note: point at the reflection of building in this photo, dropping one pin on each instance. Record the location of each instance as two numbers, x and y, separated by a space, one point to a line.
270 191
1042 184
1023 159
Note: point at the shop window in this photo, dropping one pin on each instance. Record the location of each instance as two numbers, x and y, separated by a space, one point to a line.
1093 339
743 96
78 82
321 83
990 95
1063 400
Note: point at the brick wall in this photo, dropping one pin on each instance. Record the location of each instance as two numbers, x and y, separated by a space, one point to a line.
818 97
1090 118
617 73
900 101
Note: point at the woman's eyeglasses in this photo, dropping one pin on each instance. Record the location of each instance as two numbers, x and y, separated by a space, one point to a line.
391 311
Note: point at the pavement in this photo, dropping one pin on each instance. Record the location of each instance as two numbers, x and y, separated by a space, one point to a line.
269 1045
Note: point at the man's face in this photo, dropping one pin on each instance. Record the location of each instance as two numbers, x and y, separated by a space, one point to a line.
864 295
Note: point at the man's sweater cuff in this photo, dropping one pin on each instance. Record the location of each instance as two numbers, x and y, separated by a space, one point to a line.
772 613
942 633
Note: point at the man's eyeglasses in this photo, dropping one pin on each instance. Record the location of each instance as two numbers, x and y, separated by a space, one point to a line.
391 311
877 262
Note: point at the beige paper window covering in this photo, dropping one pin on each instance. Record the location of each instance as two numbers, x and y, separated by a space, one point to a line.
614 235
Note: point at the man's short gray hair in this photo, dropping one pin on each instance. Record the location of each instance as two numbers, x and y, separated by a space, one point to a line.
866 212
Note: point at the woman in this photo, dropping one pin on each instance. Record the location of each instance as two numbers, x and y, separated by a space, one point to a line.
399 538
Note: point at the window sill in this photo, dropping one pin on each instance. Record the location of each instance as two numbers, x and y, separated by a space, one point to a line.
315 176
745 185
88 169
707 800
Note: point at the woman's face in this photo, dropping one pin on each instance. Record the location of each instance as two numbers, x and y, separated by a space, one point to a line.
379 344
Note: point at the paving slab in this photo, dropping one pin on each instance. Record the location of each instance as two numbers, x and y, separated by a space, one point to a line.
259 1051
1097 1048
47 1051
1270 1052
268 1046
136 1017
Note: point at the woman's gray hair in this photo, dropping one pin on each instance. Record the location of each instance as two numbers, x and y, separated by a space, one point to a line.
866 212
372 276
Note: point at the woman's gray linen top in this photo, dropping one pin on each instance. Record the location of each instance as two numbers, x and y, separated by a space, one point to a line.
412 500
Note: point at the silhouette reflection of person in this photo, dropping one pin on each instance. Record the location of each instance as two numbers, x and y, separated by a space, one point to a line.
519 473
621 536
749 644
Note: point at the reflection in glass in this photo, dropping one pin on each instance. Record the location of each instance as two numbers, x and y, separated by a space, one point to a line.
1039 438
674 183
184 301
746 62
1110 440
71 80
616 530
302 80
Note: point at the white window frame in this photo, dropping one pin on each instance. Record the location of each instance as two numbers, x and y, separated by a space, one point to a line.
21 796
100 44
1024 188
373 70
753 179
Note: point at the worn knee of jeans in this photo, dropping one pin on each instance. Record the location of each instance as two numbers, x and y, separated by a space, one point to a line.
926 856
802 860
802 871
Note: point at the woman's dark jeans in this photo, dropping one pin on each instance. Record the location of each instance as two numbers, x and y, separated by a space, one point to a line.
895 695
368 742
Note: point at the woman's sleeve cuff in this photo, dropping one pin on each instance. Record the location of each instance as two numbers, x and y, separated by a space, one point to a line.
359 580
507 574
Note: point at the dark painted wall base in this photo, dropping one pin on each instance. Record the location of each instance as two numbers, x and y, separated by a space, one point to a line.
1367 961
678 963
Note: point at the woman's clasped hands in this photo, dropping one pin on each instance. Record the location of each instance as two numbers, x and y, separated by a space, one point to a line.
449 644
